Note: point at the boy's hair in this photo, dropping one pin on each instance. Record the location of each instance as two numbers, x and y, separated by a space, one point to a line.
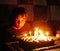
16 11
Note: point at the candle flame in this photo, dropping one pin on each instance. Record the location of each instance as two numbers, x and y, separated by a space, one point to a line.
38 36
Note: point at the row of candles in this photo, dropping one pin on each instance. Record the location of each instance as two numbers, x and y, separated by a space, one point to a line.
38 36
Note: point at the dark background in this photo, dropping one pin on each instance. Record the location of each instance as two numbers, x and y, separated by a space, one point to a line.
47 10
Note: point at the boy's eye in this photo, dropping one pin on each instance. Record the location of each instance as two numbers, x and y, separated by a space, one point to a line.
19 22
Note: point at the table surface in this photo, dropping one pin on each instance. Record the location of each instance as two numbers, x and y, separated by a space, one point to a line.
48 48
58 49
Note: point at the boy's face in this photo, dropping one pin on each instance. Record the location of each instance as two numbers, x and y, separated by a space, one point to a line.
21 20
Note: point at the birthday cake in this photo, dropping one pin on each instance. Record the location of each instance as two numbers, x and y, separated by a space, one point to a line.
33 45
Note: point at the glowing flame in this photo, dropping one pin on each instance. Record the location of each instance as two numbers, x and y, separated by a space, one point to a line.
38 36
36 33
47 33
30 33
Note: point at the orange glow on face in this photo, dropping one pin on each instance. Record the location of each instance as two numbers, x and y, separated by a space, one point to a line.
21 20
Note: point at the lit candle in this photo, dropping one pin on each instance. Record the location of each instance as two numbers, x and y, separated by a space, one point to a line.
30 33
25 34
47 33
